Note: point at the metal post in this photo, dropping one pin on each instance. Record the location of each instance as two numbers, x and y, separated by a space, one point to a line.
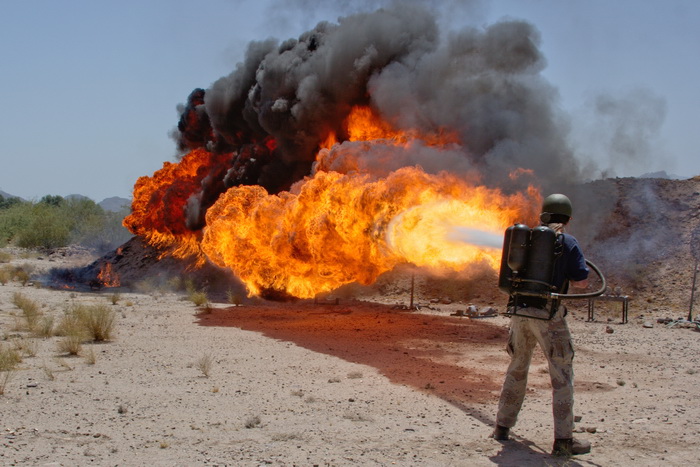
413 281
692 292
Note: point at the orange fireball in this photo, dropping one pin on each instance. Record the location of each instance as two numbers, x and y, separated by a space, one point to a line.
334 229
158 209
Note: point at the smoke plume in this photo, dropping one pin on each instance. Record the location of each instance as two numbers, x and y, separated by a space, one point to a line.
272 113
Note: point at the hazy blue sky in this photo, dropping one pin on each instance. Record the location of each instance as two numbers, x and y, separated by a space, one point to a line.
90 88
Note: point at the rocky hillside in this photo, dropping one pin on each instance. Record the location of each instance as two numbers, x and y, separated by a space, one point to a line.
642 233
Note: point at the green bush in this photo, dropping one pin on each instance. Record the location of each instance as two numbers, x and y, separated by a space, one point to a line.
55 222
14 219
46 229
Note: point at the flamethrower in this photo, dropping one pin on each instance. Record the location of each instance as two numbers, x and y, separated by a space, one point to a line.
527 268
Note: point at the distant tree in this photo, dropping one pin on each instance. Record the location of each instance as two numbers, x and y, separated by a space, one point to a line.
52 200
55 222
6 203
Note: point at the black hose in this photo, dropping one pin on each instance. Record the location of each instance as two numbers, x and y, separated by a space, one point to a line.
577 296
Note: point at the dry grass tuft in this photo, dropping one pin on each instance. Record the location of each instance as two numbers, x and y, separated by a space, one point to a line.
199 298
22 274
5 275
95 322
204 365
71 344
90 357
30 309
9 359
253 422
81 323
44 327
26 347
234 298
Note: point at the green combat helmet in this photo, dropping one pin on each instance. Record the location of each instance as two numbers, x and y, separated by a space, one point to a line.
556 208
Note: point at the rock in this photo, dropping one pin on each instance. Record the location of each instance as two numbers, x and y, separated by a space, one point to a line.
609 329
591 429
648 324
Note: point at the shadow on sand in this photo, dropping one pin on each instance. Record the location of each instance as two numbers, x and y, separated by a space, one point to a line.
430 353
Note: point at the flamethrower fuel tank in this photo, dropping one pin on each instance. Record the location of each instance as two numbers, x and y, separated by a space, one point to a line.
540 260
514 254
528 257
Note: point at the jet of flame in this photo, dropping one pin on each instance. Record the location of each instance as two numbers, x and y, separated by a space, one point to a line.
331 228
334 229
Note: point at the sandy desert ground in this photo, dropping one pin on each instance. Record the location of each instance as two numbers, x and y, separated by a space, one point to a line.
354 383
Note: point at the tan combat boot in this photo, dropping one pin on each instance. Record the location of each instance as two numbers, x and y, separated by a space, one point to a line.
570 447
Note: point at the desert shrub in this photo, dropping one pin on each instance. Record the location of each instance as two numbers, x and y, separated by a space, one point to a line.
90 357
83 322
175 283
30 309
22 275
189 286
9 359
114 298
233 297
5 257
44 327
72 333
96 320
71 344
5 276
199 298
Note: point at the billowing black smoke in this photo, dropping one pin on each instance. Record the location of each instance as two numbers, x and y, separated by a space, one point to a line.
274 110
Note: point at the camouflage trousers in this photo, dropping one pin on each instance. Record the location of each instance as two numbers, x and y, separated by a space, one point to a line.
555 340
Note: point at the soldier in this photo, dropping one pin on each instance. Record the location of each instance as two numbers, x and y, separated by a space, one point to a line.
554 339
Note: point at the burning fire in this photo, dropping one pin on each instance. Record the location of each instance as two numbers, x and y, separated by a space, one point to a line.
333 227
107 276
158 207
